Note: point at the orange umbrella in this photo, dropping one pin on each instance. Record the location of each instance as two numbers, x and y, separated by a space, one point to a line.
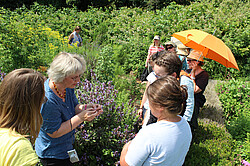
211 46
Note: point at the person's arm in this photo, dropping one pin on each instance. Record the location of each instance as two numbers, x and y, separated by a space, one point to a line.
123 154
67 126
71 36
195 66
188 113
144 99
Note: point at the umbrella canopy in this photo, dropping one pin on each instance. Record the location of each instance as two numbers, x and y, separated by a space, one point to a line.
211 46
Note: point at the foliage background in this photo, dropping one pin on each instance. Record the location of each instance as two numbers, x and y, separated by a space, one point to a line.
116 40
129 31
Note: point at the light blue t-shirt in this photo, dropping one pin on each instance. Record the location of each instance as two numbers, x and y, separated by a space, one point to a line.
162 143
54 113
184 80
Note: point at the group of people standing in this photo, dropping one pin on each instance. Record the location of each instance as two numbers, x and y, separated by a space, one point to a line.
167 129
191 74
46 111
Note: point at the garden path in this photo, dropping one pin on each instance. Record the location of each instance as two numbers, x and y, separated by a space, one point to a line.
212 109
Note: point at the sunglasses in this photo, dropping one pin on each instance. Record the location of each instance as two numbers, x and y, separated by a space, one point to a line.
189 60
169 47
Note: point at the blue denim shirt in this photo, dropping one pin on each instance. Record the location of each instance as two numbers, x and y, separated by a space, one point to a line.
54 113
184 80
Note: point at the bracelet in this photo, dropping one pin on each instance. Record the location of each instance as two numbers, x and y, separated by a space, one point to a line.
193 78
85 107
70 125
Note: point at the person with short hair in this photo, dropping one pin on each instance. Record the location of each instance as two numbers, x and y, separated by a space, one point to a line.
195 61
75 37
167 141
62 113
170 46
182 53
21 97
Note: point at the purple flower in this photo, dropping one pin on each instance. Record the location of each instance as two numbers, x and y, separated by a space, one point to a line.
245 163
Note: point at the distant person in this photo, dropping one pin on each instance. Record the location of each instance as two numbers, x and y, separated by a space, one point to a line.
170 46
182 52
200 76
21 97
167 141
62 113
75 37
155 47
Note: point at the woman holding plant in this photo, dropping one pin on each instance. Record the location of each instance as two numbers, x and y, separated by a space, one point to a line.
62 113
21 97
167 141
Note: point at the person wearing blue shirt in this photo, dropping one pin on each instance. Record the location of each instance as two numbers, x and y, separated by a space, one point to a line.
61 112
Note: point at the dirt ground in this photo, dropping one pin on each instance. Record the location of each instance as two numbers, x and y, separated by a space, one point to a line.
212 109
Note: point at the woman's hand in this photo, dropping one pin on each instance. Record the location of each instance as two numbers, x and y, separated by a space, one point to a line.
140 112
88 115
92 110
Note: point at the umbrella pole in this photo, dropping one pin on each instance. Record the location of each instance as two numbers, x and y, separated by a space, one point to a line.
225 73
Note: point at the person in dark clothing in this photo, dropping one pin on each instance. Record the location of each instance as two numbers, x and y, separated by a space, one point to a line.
200 76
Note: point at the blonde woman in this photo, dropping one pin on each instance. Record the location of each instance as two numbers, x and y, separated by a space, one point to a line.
21 97
62 113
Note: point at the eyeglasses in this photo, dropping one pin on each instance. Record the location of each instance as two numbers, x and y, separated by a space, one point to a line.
74 78
158 76
169 47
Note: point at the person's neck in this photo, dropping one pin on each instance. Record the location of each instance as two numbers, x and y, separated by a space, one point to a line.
59 86
169 117
198 70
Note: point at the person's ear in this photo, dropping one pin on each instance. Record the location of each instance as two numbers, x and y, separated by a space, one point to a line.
174 74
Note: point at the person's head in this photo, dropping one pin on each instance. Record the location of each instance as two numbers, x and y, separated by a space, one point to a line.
182 50
167 95
152 58
157 41
167 64
195 57
170 46
67 68
21 97
78 29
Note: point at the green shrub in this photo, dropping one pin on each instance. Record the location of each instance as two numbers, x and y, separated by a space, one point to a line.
100 141
234 96
212 145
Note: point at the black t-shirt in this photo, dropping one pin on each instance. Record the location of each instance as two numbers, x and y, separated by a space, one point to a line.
201 81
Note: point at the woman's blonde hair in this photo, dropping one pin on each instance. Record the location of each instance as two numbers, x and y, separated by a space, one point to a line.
65 64
21 97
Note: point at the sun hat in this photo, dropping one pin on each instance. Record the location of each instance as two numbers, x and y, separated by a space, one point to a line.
182 50
157 37
170 43
197 55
